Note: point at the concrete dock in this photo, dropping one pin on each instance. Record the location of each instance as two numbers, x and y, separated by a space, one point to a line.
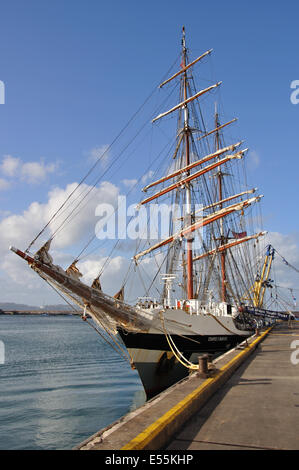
249 401
258 407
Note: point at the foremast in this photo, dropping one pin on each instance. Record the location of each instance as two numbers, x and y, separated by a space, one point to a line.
188 185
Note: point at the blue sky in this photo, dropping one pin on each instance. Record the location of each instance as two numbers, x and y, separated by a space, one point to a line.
75 71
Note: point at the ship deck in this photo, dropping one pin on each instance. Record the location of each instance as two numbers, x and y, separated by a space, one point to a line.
250 402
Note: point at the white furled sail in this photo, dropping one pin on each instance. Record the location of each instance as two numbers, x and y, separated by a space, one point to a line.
192 165
201 223
184 69
185 102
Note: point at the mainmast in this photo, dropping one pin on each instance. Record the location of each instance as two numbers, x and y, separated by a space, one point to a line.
220 197
188 186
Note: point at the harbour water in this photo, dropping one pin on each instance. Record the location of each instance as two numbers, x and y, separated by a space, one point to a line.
60 383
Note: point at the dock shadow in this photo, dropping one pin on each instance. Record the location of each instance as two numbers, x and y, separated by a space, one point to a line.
263 381
195 424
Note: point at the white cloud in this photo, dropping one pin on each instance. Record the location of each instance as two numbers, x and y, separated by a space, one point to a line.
30 172
129 183
253 160
19 229
147 176
285 278
36 172
10 165
115 271
19 272
81 220
100 153
287 247
4 213
4 184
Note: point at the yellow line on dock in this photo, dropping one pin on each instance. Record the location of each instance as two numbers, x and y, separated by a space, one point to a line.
285 334
169 422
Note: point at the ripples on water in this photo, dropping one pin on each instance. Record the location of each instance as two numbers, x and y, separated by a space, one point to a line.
60 383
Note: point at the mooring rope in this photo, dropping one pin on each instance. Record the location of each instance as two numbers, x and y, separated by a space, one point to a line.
178 355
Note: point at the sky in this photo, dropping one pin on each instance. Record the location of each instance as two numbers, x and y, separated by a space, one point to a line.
76 71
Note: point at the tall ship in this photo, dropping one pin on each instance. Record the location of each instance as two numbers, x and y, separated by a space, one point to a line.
211 265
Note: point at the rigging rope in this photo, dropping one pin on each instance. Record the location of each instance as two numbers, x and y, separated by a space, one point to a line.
116 209
286 262
97 162
122 352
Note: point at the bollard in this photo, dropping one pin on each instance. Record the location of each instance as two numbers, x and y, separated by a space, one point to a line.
203 371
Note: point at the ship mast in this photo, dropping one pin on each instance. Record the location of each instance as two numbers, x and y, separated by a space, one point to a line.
183 176
220 196
188 187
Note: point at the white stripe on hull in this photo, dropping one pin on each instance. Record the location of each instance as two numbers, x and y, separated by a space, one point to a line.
179 322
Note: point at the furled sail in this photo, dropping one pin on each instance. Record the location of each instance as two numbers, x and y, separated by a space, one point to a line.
226 246
188 100
184 69
217 129
73 271
192 165
201 223
43 253
193 176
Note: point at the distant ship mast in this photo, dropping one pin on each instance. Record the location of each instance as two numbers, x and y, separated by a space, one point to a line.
220 197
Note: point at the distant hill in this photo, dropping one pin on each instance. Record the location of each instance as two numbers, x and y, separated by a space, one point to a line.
11 306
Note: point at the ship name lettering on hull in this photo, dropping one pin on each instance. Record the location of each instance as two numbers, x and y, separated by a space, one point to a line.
217 338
